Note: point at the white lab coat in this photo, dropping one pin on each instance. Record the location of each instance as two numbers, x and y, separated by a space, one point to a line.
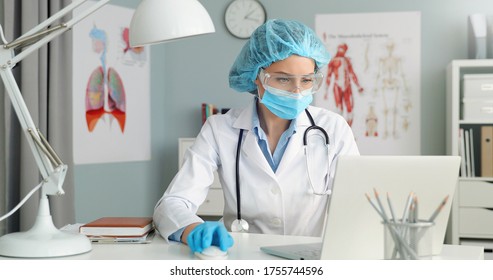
274 203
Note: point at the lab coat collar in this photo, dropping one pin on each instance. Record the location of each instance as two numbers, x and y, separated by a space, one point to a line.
303 122
244 120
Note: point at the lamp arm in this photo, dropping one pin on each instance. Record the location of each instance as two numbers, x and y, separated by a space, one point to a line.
27 40
47 22
52 169
53 173
45 36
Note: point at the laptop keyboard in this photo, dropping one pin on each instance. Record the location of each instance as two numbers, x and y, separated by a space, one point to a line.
307 251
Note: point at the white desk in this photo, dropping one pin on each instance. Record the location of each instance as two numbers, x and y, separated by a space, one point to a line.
246 247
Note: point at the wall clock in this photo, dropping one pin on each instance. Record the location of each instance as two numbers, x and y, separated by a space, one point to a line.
242 17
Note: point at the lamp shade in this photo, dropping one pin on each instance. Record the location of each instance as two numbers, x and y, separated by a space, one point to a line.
156 21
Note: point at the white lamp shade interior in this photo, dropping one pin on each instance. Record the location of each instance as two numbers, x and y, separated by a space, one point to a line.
155 21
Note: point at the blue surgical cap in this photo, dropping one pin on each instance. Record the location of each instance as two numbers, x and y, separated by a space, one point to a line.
273 41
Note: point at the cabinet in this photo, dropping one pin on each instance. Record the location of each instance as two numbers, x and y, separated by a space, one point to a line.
472 210
214 203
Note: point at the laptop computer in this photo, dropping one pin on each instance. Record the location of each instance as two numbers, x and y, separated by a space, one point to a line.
353 229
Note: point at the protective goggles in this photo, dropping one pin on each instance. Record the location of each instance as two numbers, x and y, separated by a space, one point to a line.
306 84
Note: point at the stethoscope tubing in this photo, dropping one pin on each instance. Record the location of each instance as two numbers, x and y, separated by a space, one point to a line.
238 194
313 126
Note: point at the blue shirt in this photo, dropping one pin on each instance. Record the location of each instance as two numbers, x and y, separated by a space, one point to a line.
272 159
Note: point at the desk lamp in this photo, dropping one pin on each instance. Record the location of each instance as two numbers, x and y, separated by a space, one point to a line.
153 21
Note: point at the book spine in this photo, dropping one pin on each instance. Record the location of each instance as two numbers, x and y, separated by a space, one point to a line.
204 117
462 153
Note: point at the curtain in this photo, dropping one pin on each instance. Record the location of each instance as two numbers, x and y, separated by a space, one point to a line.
44 78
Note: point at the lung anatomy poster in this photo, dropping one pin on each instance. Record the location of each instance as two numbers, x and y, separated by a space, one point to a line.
373 78
111 90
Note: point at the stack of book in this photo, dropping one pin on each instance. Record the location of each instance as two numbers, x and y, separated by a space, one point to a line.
119 229
207 111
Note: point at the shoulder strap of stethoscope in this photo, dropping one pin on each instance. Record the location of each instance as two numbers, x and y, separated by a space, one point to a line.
313 126
310 117
238 198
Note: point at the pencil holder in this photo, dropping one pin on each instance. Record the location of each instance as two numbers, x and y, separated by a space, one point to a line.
408 241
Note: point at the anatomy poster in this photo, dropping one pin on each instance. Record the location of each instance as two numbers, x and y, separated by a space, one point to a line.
373 79
111 90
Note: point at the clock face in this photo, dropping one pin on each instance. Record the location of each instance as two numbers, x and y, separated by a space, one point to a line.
242 17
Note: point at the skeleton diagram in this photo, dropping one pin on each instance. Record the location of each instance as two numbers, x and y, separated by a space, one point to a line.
391 82
371 123
341 68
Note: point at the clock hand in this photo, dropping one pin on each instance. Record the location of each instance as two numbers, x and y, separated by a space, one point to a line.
253 19
247 16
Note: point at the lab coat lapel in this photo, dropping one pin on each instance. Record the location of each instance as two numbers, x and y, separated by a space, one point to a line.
250 147
252 151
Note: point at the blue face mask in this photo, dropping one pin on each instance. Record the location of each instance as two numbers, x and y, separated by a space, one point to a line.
285 105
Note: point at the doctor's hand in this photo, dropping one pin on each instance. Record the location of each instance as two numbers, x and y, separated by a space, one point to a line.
209 233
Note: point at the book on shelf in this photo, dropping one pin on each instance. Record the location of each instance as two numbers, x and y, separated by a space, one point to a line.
118 227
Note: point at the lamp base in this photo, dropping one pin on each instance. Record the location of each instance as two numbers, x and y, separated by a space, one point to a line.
43 240
32 245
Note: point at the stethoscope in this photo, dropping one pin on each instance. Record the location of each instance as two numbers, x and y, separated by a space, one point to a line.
241 225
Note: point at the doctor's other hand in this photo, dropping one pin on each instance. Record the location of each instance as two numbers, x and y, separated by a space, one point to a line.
209 233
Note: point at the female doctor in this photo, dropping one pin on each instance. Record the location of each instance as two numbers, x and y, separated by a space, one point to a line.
272 182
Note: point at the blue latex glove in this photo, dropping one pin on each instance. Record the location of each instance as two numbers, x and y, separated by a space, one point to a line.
207 234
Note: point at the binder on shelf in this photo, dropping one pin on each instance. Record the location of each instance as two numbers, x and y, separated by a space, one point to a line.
468 153
487 151
471 143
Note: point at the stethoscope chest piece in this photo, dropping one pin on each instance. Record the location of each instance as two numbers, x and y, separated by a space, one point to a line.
239 225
